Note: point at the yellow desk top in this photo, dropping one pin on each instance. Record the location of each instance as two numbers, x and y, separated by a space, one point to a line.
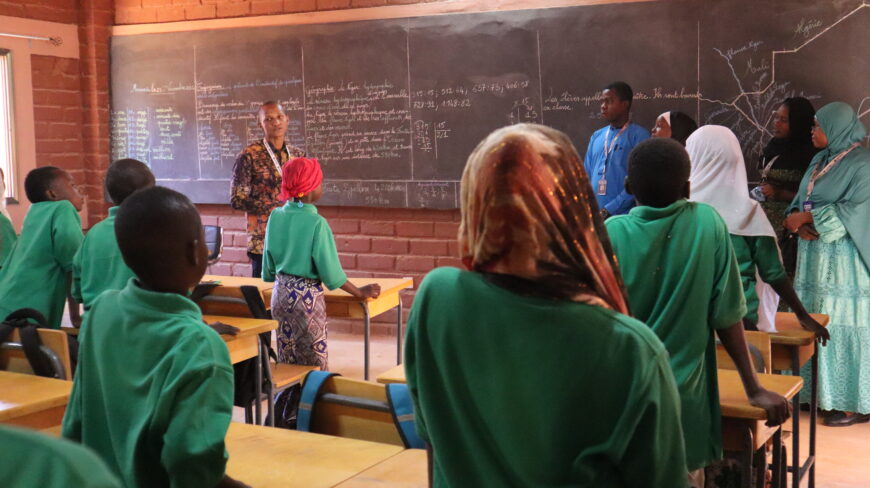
733 400
24 394
388 286
789 331
247 326
393 375
266 457
408 469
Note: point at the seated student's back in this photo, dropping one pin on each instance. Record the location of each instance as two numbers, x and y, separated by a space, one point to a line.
525 370
32 459
36 272
98 265
153 390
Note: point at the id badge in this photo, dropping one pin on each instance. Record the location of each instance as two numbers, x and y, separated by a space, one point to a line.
808 205
602 187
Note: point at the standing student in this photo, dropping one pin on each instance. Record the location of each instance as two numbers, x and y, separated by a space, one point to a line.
525 370
683 281
718 178
675 125
32 459
98 265
7 231
37 272
607 154
256 179
831 214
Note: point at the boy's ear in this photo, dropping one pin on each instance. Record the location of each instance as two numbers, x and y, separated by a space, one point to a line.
628 186
192 253
687 190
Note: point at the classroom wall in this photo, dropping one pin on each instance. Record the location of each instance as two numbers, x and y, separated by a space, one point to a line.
70 94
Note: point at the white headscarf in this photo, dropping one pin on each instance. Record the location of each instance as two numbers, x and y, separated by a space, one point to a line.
718 179
666 116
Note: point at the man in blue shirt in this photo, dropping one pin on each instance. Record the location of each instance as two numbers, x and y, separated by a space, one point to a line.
606 159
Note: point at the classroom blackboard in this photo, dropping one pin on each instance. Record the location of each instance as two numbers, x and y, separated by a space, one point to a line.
392 108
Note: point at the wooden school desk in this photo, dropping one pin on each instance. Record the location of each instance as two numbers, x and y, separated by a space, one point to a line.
339 303
791 347
32 401
743 428
395 374
265 457
408 469
246 345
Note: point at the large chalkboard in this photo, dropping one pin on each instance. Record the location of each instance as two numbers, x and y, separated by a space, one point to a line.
392 108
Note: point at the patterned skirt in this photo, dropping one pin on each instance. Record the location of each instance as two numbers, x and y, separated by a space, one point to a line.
300 309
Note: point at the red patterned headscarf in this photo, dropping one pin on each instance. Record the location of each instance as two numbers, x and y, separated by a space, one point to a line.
528 211
300 176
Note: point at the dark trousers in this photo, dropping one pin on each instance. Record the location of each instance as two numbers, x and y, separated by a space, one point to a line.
256 264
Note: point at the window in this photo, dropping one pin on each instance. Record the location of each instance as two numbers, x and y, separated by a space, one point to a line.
6 137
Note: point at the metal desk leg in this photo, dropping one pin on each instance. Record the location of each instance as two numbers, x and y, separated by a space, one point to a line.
796 423
778 459
270 391
748 455
258 405
814 408
399 333
367 330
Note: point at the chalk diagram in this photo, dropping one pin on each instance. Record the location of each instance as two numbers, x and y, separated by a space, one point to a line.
780 75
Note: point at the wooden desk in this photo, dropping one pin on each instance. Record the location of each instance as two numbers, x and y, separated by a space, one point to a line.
246 345
743 428
32 401
408 469
791 347
339 303
395 374
266 457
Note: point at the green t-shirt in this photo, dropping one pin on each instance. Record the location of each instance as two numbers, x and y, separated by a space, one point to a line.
519 391
682 280
32 459
36 273
98 266
153 390
757 253
7 237
299 242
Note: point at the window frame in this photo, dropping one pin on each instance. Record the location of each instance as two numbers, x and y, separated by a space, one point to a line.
10 170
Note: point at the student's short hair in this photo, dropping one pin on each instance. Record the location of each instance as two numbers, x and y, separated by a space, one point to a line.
38 181
658 170
126 176
152 226
622 90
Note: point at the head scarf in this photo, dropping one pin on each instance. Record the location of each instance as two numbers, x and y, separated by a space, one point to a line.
841 125
796 150
528 212
718 178
667 117
682 126
300 176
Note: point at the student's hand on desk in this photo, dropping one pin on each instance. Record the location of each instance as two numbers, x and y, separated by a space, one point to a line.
810 324
222 328
777 407
370 291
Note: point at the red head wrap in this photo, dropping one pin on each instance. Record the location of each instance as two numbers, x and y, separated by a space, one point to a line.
300 176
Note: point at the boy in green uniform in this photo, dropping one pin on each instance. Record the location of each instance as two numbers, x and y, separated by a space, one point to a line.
153 391
33 459
36 274
98 266
682 279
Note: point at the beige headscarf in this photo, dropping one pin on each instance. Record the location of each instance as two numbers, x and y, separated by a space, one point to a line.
528 211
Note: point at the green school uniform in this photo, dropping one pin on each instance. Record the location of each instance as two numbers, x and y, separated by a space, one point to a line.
98 266
153 391
519 391
757 253
7 237
35 274
299 242
32 459
682 280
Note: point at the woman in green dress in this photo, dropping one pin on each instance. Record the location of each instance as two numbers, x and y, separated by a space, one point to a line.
831 215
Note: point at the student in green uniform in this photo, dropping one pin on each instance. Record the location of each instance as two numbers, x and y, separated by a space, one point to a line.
153 391
526 370
37 272
32 459
683 281
718 178
98 266
7 231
